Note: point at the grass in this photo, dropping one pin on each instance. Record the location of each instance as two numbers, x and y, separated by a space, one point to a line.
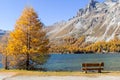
41 73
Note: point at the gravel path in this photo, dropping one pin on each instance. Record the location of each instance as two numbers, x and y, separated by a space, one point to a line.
63 78
15 76
4 76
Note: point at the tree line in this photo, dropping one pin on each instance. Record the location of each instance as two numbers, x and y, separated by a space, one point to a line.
74 45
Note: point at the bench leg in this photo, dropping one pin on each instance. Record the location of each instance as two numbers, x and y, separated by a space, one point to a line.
85 71
99 71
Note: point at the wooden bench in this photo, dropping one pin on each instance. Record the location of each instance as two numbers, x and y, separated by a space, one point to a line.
93 66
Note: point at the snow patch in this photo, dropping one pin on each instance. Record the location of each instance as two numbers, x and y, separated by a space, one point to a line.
91 39
78 25
110 4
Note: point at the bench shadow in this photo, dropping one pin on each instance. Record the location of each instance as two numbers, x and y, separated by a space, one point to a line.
106 72
103 72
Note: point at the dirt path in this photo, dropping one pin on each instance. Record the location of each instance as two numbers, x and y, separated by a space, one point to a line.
16 76
63 78
5 75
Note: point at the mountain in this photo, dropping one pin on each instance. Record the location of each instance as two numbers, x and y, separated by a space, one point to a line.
2 32
97 21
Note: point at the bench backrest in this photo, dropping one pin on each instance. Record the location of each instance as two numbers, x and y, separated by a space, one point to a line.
93 64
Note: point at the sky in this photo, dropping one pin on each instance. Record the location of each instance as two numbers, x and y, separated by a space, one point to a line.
49 11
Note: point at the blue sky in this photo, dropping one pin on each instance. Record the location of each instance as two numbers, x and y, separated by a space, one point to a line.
49 11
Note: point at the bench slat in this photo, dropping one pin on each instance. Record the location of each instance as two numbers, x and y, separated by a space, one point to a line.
92 64
92 68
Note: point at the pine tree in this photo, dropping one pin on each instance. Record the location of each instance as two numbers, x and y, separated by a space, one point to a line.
28 38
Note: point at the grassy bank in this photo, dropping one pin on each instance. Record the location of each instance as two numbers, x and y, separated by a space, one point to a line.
40 73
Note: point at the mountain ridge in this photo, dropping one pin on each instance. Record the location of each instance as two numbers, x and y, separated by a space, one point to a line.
97 22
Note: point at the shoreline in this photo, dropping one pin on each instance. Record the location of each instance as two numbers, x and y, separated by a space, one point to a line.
88 53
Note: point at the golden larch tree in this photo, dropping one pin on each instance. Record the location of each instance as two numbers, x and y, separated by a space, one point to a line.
28 39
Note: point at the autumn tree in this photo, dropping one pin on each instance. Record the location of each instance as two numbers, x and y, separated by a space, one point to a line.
3 45
28 42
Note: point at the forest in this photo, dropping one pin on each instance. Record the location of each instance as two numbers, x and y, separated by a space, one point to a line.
73 45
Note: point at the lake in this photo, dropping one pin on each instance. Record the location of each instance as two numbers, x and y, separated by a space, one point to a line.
72 62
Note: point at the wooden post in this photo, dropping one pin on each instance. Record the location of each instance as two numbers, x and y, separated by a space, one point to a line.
85 68
99 71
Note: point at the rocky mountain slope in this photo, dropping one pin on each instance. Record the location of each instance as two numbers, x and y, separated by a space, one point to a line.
97 21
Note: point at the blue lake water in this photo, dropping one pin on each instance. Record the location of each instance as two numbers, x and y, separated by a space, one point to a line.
72 62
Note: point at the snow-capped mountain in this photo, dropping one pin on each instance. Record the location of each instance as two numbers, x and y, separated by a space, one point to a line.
97 21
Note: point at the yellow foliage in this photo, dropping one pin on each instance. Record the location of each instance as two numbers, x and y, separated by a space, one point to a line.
28 37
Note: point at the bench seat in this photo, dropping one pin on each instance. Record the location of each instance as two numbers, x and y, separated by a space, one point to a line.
92 68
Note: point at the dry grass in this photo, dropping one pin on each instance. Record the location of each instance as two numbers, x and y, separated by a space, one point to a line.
40 73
